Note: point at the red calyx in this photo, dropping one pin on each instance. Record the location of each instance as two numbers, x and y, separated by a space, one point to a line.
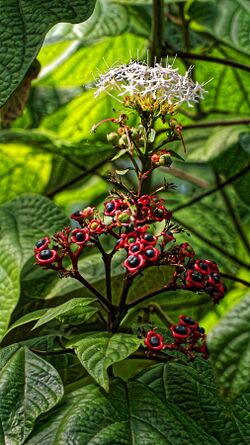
149 239
151 254
134 263
202 267
184 320
154 341
46 257
180 333
77 215
80 236
136 248
194 279
212 265
96 227
42 244
144 200
187 250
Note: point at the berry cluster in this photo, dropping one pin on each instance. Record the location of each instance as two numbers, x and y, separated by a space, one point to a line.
131 220
188 338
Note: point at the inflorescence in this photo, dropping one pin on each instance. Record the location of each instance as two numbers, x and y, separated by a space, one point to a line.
130 221
143 86
187 337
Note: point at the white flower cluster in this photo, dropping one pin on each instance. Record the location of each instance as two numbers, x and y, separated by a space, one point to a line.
163 84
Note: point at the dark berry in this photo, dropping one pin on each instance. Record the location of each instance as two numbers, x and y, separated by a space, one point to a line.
180 330
77 213
158 212
40 243
201 330
133 261
149 253
46 254
203 266
169 233
189 320
135 249
216 277
148 237
154 341
196 276
80 236
110 207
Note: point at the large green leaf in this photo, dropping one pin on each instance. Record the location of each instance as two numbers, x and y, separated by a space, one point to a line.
99 350
22 222
76 310
32 20
230 24
29 386
229 346
192 387
130 414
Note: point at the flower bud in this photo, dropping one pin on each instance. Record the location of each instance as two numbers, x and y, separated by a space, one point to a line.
112 137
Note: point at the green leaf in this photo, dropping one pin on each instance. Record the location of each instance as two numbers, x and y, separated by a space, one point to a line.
229 347
32 21
193 389
22 222
29 386
27 318
99 350
120 153
75 309
130 414
230 24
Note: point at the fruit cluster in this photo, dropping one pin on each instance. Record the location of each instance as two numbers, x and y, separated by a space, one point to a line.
130 220
188 338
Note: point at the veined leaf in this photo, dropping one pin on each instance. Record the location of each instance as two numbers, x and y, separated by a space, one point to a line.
22 222
77 308
130 414
99 350
32 21
229 347
29 386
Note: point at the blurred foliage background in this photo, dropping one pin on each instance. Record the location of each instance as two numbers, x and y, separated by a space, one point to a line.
46 146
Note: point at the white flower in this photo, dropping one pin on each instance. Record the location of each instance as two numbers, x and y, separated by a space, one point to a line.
163 84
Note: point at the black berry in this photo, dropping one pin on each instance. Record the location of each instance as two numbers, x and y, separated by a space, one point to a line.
180 330
135 249
196 276
77 213
216 277
158 212
80 236
133 261
40 243
201 330
154 341
148 237
110 207
46 254
203 266
189 320
149 253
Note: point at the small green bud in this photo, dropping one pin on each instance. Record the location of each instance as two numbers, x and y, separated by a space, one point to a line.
124 217
112 137
165 160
